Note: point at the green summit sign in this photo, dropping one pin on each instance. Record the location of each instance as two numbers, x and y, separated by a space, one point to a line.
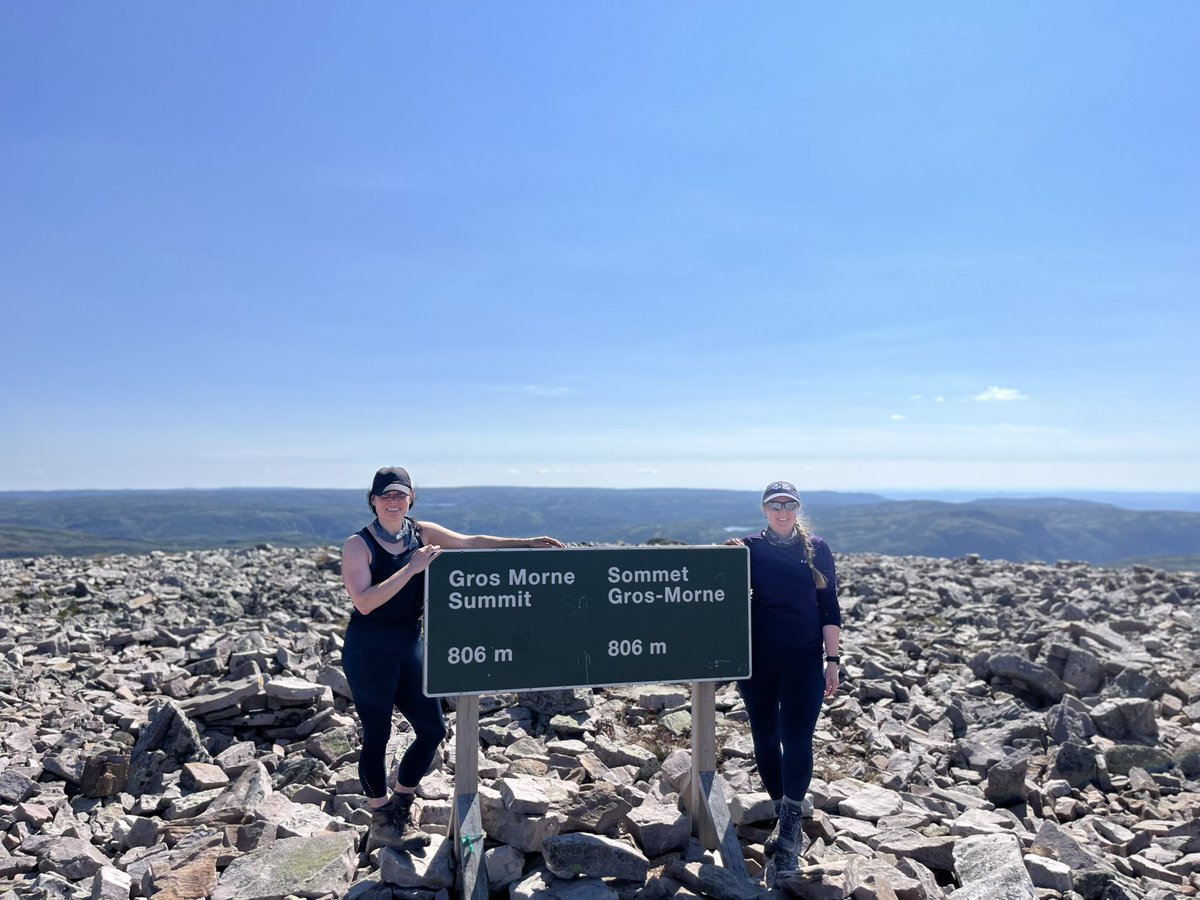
514 620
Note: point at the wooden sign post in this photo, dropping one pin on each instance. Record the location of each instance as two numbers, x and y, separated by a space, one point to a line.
467 827
710 813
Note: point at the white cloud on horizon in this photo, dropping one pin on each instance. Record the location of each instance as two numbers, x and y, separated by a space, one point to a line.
1001 394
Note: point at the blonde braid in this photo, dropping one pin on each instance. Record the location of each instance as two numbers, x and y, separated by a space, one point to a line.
802 530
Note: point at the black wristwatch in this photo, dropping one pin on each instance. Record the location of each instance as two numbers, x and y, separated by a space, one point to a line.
833 659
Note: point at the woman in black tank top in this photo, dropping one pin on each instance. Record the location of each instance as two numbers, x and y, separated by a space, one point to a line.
383 568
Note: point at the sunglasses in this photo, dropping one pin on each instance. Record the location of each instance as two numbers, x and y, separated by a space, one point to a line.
789 505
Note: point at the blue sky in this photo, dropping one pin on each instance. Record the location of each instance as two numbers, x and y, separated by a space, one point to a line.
859 246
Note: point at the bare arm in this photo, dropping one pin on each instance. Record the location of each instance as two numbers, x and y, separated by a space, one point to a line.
832 635
356 573
452 540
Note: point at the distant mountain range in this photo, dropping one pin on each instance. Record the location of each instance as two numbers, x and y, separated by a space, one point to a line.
81 523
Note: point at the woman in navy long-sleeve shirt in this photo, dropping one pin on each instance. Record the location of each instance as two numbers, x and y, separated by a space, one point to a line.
795 631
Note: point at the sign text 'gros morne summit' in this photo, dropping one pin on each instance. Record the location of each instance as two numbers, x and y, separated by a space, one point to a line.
508 620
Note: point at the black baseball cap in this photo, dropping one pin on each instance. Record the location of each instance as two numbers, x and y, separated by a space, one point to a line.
391 478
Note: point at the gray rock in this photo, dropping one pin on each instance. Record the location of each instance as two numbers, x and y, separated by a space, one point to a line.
110 883
752 807
523 832
203 777
982 821
1055 842
558 702
714 881
322 864
235 758
659 828
1048 873
105 773
935 853
1132 682
335 679
239 801
1006 781
614 755
992 866
71 858
542 885
1187 757
225 696
16 787
871 804
874 877
1083 671
904 765
1035 678
430 868
504 865
594 808
168 740
49 886
334 747
296 691
138 832
1076 764
678 722
930 889
11 866
523 796
1126 718
1121 758
1065 722
189 870
594 856
572 724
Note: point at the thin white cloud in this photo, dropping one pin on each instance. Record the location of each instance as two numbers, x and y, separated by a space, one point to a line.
1001 394
896 417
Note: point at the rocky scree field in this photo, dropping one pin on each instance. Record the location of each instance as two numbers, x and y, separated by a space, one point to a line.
177 726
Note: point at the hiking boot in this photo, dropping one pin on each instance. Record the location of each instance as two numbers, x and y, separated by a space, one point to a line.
392 825
780 848
806 812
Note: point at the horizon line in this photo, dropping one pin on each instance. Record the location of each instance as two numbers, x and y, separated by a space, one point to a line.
883 491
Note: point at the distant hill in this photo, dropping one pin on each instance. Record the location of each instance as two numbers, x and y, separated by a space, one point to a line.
1181 501
81 523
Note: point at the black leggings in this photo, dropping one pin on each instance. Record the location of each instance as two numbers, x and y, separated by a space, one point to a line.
383 665
783 699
